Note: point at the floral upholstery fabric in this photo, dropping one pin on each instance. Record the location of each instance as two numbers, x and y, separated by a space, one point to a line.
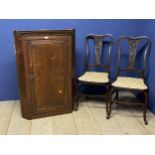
130 83
95 77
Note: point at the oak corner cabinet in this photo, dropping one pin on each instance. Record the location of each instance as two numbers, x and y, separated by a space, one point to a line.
46 75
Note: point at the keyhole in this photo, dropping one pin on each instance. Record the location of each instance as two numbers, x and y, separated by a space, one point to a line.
60 91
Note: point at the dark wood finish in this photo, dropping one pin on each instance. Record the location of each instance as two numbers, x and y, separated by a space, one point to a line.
133 43
46 75
99 41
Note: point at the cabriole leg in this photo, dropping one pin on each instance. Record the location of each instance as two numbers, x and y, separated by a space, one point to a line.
145 107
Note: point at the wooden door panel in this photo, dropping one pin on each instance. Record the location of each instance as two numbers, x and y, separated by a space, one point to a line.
47 61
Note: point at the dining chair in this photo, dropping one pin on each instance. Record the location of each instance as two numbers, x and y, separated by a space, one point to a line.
96 65
131 71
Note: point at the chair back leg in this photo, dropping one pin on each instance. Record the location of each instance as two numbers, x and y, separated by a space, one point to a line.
77 97
109 104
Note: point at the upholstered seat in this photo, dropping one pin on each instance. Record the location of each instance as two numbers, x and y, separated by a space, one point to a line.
130 83
95 77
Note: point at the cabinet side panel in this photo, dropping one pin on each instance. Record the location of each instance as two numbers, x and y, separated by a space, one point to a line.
21 74
71 80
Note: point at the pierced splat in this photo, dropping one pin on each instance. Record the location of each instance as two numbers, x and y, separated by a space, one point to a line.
98 50
133 44
98 41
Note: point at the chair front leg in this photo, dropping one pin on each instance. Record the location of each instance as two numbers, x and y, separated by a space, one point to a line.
110 104
145 107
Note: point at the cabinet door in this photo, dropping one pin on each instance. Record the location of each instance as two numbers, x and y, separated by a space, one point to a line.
49 73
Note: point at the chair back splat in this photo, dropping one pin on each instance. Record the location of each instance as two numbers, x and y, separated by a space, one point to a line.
137 46
99 42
